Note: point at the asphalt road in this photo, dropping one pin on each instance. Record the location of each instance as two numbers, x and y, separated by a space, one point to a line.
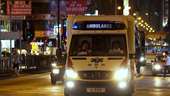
31 85
39 85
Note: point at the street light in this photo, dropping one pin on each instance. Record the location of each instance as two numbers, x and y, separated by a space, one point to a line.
146 14
134 14
58 22
119 7
139 18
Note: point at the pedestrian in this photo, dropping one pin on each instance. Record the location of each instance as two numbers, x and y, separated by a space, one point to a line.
16 62
167 63
138 68
84 48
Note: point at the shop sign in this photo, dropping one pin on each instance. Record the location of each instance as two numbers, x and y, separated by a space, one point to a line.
40 34
76 7
19 7
0 7
10 35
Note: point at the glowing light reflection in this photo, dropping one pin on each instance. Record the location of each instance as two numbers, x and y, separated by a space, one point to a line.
157 82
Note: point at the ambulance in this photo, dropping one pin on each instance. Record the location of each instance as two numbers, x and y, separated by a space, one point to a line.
100 56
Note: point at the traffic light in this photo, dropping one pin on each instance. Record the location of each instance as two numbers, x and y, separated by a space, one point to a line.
28 32
3 7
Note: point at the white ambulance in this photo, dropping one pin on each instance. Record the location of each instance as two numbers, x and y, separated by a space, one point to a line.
100 59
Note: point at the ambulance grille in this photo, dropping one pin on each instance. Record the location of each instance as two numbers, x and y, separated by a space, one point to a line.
95 75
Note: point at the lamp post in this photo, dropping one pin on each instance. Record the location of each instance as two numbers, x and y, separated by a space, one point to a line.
58 22
10 8
115 7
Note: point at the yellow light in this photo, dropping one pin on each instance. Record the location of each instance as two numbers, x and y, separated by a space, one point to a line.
119 7
146 14
141 25
134 14
151 28
154 39
163 53
150 38
142 21
139 18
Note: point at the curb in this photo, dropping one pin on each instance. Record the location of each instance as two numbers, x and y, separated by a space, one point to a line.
5 76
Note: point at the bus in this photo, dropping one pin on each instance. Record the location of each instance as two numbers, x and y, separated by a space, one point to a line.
100 56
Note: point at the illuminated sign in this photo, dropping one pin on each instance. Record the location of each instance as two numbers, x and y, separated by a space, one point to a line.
76 7
20 7
126 7
98 25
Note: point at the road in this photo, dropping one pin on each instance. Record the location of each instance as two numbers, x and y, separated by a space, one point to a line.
31 85
39 85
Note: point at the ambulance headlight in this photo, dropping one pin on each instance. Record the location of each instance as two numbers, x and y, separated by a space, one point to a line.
122 85
70 84
71 74
157 67
121 74
55 71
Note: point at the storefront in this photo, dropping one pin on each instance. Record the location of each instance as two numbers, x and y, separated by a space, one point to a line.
42 46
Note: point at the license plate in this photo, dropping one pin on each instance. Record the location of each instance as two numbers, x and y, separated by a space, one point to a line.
95 90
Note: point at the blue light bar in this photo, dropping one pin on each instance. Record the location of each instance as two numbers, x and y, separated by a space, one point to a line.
75 26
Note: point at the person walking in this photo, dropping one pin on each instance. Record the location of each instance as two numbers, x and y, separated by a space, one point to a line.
138 68
16 62
167 63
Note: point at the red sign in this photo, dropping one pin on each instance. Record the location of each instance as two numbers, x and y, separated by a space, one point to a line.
20 7
0 6
76 7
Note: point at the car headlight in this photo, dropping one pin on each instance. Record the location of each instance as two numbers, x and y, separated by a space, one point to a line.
71 74
70 84
54 64
55 71
142 59
121 74
122 85
157 67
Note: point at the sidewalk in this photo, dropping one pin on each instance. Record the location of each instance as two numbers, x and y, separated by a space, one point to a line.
9 75
5 75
